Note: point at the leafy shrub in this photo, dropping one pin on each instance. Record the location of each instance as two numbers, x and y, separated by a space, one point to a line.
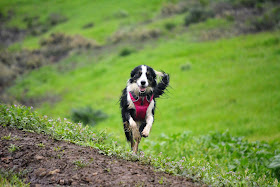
198 14
170 26
87 115
269 20
275 165
250 3
126 51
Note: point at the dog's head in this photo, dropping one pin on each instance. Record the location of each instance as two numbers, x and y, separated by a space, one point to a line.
143 78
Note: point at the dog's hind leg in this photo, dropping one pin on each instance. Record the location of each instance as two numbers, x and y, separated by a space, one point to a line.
135 134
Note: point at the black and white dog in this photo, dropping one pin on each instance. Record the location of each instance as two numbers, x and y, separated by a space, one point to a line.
138 102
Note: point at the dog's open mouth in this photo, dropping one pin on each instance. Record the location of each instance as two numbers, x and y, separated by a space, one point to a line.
142 89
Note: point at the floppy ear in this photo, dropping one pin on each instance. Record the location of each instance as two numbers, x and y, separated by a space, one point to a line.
134 71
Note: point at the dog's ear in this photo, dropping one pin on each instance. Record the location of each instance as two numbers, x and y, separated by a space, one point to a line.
133 72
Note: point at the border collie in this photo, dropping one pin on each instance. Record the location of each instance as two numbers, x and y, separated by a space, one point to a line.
138 102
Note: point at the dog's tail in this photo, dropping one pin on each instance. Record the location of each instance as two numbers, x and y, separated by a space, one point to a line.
162 85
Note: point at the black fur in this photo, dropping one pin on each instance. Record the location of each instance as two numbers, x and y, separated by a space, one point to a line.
158 90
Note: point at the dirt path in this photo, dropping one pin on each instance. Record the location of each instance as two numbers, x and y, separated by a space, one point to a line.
50 162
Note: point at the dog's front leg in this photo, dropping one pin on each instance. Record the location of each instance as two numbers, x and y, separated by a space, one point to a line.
136 135
149 119
147 129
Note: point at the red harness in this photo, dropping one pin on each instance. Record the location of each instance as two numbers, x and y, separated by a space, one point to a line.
141 106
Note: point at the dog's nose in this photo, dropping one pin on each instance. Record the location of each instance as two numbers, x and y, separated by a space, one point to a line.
143 83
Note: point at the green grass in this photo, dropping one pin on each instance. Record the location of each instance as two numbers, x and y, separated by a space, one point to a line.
104 15
216 158
9 178
232 85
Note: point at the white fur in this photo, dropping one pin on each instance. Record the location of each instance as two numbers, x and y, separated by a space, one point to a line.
143 77
134 127
149 119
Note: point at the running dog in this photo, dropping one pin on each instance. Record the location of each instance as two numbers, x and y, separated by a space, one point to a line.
138 102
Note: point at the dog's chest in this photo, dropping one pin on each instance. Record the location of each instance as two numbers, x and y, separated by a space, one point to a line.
140 104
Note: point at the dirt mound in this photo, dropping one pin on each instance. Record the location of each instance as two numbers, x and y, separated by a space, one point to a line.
52 49
9 35
49 162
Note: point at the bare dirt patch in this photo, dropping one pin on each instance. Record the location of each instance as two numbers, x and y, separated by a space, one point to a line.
50 162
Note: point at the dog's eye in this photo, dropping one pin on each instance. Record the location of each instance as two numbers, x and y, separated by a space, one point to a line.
139 73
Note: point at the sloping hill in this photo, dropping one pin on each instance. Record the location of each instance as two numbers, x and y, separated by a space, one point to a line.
48 162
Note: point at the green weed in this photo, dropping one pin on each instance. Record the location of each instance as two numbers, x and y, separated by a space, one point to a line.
6 137
11 178
42 145
87 115
80 163
10 137
13 148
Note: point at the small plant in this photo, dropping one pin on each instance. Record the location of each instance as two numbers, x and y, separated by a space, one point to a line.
80 163
186 67
126 51
6 137
87 115
57 148
13 148
161 180
170 26
41 145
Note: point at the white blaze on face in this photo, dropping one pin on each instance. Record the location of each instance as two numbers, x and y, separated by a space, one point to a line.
142 82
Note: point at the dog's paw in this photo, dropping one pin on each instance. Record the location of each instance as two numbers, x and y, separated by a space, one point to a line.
145 133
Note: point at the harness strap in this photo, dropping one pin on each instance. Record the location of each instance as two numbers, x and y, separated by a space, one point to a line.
141 106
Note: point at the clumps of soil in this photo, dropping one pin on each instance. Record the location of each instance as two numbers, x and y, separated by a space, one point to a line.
52 49
9 35
134 35
58 45
48 162
247 16
171 9
34 26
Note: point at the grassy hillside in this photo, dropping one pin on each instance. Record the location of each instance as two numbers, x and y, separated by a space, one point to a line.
230 84
224 75
217 159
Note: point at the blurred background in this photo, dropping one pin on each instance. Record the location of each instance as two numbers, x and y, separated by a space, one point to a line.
72 59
